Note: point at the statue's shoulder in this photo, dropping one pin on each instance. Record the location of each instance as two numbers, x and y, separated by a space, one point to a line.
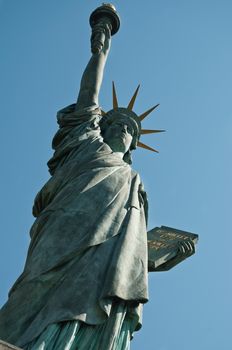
72 116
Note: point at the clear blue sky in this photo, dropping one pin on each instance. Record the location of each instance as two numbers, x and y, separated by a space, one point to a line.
181 53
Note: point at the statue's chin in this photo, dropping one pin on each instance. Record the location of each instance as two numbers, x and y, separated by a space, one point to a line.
117 146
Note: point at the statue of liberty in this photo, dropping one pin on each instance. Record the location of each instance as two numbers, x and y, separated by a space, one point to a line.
85 276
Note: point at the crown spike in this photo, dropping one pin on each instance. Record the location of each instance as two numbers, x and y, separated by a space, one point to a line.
147 131
143 116
132 101
140 144
115 100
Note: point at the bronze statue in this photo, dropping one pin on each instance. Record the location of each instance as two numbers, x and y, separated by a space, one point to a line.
85 277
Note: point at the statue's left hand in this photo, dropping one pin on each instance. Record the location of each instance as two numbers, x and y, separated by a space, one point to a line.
186 248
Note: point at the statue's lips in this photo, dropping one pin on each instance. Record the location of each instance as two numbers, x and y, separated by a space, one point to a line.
121 136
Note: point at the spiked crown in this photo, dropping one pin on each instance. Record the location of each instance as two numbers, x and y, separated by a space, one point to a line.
109 117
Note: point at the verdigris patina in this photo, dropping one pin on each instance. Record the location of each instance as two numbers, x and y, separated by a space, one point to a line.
85 277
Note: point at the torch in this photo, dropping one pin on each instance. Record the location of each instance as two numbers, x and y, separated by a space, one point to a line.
105 14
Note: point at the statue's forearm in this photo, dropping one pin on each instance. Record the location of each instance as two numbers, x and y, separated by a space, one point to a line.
91 80
93 74
104 22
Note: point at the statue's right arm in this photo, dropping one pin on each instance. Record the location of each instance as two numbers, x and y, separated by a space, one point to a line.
93 74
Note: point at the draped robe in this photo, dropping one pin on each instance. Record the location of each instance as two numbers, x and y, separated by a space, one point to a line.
88 242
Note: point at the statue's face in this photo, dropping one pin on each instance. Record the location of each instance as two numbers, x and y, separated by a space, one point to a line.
119 135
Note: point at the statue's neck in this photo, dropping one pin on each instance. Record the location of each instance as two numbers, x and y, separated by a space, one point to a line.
119 154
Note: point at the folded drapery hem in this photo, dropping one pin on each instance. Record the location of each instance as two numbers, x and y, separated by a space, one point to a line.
114 334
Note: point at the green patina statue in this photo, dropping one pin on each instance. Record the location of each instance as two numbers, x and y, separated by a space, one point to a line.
85 277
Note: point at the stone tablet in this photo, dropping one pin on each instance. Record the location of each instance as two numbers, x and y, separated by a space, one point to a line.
167 247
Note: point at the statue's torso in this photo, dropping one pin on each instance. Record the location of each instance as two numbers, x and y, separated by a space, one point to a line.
89 235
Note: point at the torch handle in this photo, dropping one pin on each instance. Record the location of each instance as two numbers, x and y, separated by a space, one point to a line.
98 35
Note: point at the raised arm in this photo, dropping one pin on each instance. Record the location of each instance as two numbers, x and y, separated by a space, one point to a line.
93 74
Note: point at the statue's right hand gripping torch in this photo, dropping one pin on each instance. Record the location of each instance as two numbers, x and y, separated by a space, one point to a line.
103 18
